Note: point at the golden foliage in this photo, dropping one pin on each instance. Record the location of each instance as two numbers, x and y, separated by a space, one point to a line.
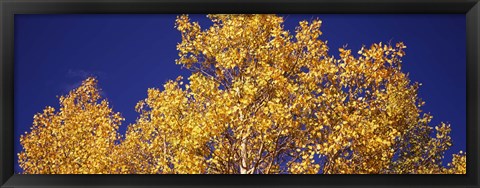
77 139
260 100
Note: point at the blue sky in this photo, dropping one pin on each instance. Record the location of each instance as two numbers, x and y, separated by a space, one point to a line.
131 53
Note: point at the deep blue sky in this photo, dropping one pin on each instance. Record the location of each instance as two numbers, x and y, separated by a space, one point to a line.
131 53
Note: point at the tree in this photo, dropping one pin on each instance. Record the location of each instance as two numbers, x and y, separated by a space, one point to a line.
263 101
77 139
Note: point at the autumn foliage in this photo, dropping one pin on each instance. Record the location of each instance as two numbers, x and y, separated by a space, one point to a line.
78 139
260 100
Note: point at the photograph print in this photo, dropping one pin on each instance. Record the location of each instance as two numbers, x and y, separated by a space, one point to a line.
240 94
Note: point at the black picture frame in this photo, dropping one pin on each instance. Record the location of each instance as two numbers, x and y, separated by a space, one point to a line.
11 7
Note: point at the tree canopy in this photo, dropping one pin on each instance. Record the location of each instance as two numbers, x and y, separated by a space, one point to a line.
260 100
